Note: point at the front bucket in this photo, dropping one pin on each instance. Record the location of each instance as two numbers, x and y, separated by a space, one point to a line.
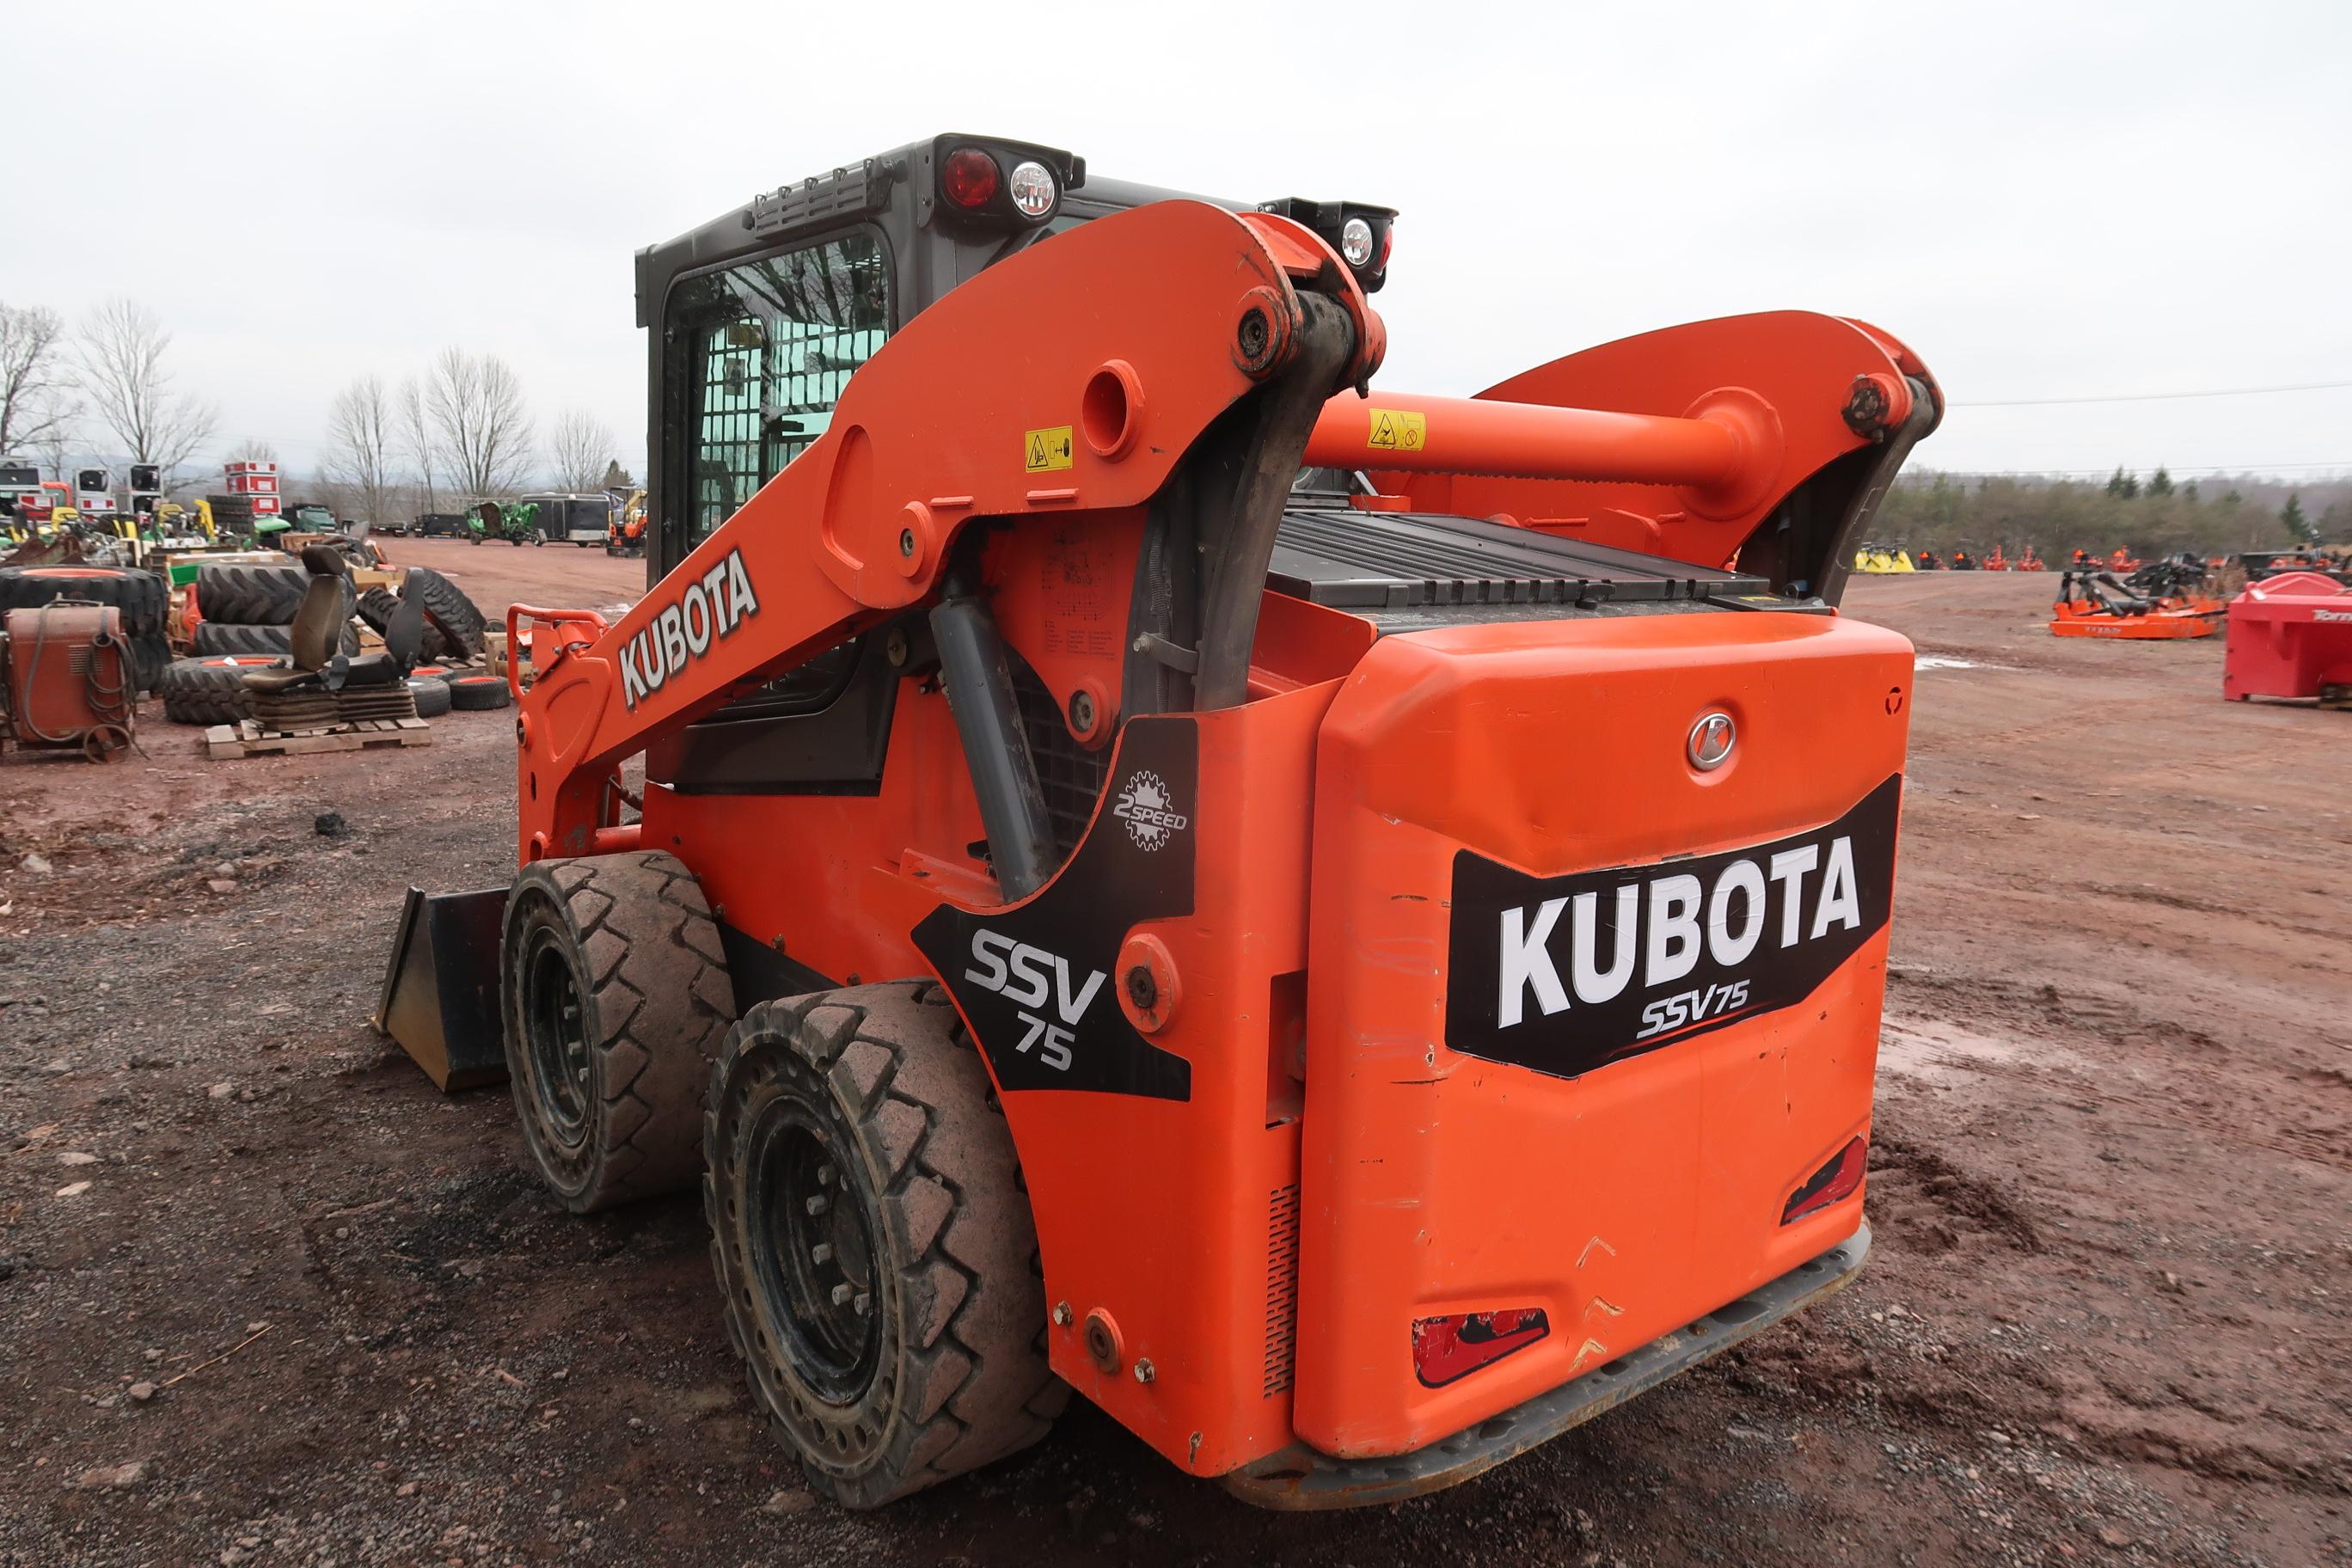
441 989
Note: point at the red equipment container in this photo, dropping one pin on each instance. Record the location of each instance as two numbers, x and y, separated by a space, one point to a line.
66 679
2291 636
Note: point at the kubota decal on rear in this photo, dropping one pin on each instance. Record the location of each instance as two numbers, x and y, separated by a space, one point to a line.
711 607
1564 974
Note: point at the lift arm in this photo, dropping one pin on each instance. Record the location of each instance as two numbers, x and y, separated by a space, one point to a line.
1077 375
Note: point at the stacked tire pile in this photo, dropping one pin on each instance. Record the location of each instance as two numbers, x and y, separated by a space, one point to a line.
247 619
140 596
247 611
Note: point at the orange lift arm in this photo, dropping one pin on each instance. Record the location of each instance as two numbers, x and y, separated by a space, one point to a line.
1683 442
1075 376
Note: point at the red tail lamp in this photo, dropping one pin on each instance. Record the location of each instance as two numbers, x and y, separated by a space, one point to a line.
1841 1178
970 178
1448 1348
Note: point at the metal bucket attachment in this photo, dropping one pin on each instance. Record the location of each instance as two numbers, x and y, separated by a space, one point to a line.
441 989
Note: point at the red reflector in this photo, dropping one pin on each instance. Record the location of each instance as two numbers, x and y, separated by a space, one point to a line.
970 177
1447 1348
1841 1178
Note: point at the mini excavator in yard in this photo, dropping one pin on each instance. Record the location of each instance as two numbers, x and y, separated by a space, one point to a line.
1346 927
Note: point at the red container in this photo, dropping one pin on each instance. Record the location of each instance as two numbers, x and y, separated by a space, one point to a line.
253 484
2290 636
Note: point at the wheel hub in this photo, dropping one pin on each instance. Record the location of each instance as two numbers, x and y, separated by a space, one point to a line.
816 1274
555 1027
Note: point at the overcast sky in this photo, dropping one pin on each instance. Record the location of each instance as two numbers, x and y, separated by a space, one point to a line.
2045 200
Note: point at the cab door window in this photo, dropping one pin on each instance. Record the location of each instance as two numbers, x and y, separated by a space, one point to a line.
758 353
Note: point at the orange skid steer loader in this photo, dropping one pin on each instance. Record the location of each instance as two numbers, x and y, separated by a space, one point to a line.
1346 927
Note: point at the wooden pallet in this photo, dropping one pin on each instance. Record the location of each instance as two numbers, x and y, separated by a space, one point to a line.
247 739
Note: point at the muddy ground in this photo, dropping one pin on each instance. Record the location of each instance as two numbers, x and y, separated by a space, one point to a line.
2107 1320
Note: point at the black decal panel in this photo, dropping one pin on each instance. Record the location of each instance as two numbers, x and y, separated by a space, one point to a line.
1565 975
1037 984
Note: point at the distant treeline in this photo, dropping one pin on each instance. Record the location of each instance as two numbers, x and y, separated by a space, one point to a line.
2147 516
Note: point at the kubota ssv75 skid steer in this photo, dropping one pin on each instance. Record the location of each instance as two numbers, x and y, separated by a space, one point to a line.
1346 927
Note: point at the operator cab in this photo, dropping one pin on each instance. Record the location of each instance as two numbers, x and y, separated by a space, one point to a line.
760 318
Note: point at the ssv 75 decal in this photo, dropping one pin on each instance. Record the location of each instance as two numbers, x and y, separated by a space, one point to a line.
1034 981
1564 974
709 609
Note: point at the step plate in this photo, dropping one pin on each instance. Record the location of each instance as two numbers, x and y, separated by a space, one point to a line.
1299 1479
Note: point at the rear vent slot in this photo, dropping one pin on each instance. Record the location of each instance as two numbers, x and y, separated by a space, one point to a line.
1281 1288
78 658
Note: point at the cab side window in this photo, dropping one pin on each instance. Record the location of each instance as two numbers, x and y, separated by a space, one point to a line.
758 353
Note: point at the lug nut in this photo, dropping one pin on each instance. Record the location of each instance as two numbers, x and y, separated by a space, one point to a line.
842 1293
825 1175
821 1253
819 1203
863 1303
1144 1371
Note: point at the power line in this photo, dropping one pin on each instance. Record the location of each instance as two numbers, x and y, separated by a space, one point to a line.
2249 470
2157 397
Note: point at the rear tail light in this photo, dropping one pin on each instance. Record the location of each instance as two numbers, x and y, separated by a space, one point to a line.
1448 1348
1841 1178
970 178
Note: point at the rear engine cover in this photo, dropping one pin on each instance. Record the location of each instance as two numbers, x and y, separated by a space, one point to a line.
1597 954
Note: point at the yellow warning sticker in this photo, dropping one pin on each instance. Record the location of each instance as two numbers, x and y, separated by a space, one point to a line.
1043 451
1398 430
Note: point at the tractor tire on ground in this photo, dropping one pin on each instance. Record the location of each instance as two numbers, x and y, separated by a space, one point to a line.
209 690
431 694
376 607
277 642
616 1000
479 693
141 597
873 1241
248 595
449 612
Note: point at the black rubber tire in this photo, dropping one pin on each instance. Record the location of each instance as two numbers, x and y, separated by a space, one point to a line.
208 690
213 637
248 596
376 607
479 693
873 1099
142 597
614 991
447 611
431 694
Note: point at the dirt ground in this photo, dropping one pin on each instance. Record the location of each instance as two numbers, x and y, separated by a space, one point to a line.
2107 1320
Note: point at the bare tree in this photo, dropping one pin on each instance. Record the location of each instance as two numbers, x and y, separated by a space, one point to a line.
122 348
252 450
481 429
36 394
417 440
579 449
360 437
56 447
